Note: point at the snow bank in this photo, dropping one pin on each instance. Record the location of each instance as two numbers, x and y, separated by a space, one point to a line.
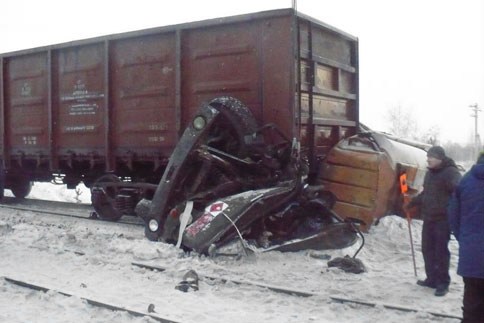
58 193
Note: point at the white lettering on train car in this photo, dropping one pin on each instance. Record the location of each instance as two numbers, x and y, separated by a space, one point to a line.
26 89
157 126
30 140
83 109
88 128
156 139
81 94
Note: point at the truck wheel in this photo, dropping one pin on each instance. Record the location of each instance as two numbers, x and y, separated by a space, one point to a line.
227 134
238 121
21 189
103 200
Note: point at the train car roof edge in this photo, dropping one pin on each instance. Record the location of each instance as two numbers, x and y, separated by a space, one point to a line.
181 26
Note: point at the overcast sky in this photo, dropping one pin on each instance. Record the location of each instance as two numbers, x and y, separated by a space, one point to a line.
426 56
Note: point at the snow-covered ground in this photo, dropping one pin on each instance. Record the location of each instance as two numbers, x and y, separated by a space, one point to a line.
41 249
58 193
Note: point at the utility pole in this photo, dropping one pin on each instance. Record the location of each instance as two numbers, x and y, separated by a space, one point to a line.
477 141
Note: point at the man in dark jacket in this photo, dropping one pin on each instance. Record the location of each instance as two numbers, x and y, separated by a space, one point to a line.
466 216
439 183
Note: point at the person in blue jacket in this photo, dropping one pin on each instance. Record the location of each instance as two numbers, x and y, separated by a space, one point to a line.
466 218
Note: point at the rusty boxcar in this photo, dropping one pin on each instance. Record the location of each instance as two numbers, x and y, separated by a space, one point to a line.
118 104
112 108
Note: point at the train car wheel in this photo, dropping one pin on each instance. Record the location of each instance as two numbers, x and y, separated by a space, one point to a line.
21 189
102 200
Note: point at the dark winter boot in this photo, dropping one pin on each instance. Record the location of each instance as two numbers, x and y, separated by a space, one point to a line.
441 290
426 283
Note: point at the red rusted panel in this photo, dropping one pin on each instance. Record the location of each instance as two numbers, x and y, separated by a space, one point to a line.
143 95
277 83
80 100
26 100
221 60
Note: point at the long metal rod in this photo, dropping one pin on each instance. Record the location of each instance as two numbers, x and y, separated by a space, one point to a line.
310 126
89 301
53 164
91 218
392 307
178 83
409 220
108 114
2 111
356 82
298 75
403 190
296 69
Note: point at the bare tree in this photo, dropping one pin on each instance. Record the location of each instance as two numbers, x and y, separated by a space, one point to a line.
401 122
459 152
431 135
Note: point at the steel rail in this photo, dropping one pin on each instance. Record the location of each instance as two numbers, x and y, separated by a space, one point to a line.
89 301
298 292
33 209
302 293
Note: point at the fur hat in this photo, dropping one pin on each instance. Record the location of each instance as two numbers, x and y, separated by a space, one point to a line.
436 152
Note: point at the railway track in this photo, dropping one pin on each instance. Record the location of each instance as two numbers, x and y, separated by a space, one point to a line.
292 291
82 211
302 293
88 300
271 288
64 209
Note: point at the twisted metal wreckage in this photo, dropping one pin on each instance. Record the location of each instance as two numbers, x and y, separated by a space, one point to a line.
224 181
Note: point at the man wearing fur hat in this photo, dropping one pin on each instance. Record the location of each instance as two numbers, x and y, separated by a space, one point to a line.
440 181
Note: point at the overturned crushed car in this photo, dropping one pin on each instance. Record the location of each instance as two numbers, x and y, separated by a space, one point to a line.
230 179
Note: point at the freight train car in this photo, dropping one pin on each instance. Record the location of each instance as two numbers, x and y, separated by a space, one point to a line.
109 111
118 104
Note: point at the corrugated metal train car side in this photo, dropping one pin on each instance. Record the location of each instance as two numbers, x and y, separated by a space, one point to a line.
119 103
